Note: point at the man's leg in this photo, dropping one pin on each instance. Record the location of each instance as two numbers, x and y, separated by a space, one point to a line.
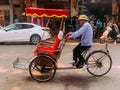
76 52
81 58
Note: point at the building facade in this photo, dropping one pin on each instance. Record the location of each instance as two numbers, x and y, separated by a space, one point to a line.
4 12
14 10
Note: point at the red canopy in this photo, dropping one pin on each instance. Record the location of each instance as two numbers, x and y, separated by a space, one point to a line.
43 12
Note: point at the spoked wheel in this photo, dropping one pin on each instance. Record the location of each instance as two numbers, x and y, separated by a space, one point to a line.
99 63
42 68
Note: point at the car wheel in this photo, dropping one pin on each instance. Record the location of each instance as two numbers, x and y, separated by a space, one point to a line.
35 39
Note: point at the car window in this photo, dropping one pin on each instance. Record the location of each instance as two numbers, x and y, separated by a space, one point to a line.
10 27
18 26
26 26
14 27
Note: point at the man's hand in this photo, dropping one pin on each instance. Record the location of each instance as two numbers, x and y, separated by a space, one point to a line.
68 36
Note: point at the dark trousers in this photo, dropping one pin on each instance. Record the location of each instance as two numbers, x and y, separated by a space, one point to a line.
77 51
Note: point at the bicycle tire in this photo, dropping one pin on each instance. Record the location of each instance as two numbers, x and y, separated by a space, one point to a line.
42 68
97 65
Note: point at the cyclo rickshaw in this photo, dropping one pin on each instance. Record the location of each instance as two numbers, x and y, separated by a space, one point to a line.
42 67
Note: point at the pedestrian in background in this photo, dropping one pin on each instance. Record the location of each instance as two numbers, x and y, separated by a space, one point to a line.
99 26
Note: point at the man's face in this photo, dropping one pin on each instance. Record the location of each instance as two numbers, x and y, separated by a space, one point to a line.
81 22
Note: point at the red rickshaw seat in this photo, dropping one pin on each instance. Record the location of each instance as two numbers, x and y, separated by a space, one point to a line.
50 50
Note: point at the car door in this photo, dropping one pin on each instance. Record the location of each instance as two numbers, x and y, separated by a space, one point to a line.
8 34
23 33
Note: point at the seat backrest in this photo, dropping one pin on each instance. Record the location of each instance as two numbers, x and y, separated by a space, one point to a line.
58 39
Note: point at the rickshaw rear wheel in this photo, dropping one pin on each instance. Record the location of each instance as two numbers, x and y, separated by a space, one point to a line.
100 63
42 68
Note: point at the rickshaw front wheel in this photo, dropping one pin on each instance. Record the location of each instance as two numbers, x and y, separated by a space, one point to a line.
42 68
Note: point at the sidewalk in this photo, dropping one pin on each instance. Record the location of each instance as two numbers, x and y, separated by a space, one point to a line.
76 41
95 41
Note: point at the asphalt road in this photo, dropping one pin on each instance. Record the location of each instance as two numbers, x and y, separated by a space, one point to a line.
16 79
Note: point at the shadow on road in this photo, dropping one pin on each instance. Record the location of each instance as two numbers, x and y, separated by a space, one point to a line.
74 80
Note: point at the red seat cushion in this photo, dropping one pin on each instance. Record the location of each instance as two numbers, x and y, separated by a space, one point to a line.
49 50
43 49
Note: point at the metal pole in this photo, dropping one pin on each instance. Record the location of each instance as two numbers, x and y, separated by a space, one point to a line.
70 8
70 11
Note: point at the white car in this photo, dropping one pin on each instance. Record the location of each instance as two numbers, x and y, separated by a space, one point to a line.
24 32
